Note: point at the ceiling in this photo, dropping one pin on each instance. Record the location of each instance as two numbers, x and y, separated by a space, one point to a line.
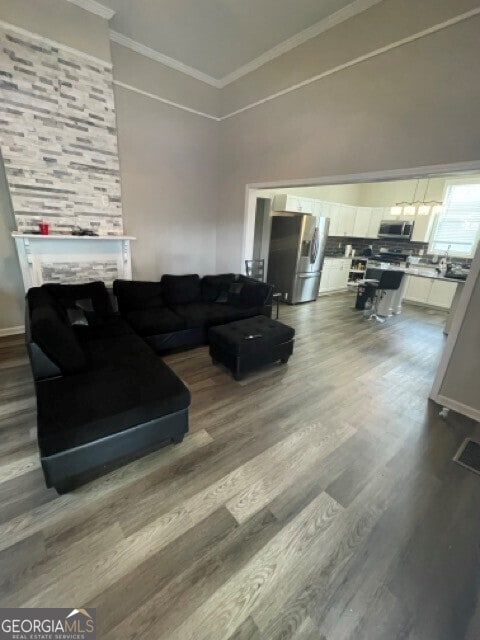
220 37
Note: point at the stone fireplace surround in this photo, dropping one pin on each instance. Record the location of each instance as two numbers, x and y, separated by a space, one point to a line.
58 141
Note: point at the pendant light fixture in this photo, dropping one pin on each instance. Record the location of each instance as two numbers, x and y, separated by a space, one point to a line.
417 207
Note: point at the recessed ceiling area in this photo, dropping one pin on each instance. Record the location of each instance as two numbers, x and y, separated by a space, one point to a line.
217 37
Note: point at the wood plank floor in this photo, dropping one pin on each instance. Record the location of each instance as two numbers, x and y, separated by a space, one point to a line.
313 501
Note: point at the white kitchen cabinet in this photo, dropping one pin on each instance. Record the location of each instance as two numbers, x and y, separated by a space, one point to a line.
362 222
295 204
325 279
334 274
376 216
347 220
422 228
441 294
418 289
430 292
342 220
334 215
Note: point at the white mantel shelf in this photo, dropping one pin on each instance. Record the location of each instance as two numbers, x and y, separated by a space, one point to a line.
72 259
58 236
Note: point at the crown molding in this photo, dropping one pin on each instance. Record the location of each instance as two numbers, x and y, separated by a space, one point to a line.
125 41
328 72
354 61
352 9
94 7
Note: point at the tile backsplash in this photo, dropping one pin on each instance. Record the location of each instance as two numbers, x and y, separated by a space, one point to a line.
336 245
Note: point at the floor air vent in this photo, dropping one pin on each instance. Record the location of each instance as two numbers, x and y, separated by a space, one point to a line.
469 455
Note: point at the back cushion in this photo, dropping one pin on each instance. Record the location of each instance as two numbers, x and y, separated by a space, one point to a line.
136 295
93 294
181 289
215 288
56 339
253 295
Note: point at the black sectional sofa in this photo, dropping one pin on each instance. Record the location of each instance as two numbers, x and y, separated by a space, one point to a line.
103 395
178 311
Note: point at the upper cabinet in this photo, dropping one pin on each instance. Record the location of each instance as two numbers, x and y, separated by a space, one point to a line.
294 204
349 221
362 222
376 216
342 219
422 228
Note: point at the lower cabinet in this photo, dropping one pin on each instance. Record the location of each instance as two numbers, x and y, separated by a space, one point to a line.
334 274
430 292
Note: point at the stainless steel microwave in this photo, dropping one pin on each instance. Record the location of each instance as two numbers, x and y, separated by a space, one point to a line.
396 229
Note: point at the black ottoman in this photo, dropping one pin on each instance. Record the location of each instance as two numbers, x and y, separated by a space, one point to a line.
246 345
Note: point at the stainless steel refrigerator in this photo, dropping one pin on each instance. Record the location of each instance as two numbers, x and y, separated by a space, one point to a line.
295 260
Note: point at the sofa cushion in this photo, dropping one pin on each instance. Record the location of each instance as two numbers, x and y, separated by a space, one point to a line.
128 385
133 295
92 297
215 288
39 297
203 315
253 294
151 322
57 339
181 289
112 327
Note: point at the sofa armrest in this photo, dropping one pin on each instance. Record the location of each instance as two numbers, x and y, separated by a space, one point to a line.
262 292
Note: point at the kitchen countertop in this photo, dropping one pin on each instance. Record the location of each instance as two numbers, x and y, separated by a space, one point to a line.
421 273
426 272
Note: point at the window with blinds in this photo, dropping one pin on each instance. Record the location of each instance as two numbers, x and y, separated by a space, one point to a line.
457 229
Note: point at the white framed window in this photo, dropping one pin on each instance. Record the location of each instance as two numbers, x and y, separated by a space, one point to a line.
457 228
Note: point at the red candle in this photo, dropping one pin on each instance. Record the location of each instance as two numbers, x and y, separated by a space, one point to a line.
44 228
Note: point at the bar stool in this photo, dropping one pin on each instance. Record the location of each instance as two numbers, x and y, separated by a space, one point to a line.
389 281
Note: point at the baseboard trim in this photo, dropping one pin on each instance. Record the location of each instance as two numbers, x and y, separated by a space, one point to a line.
435 307
459 407
12 331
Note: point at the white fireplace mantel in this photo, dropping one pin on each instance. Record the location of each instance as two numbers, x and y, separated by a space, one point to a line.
72 259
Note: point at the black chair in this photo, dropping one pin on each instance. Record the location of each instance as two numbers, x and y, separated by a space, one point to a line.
255 269
389 281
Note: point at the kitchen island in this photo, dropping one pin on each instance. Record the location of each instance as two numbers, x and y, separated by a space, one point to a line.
422 286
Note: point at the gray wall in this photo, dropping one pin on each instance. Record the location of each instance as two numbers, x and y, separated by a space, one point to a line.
168 162
412 106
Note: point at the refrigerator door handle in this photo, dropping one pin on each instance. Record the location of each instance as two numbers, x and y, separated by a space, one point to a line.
314 249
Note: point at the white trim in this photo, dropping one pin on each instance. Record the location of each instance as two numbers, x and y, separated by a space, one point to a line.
352 9
349 11
12 331
377 52
58 236
454 332
148 52
54 43
351 63
459 407
129 87
95 7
